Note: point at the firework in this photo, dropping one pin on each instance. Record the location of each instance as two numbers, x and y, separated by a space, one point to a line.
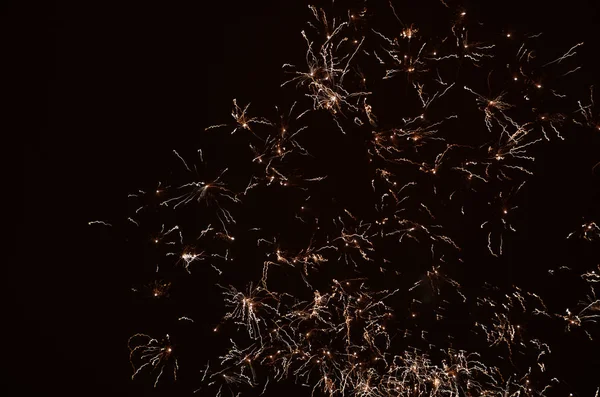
344 281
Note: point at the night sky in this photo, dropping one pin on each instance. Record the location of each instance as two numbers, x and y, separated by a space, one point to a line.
99 96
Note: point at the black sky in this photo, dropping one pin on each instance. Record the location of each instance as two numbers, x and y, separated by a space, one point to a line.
96 96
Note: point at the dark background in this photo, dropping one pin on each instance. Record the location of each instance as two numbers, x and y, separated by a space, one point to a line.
97 95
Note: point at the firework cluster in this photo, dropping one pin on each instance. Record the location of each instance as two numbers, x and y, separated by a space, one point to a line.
337 243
